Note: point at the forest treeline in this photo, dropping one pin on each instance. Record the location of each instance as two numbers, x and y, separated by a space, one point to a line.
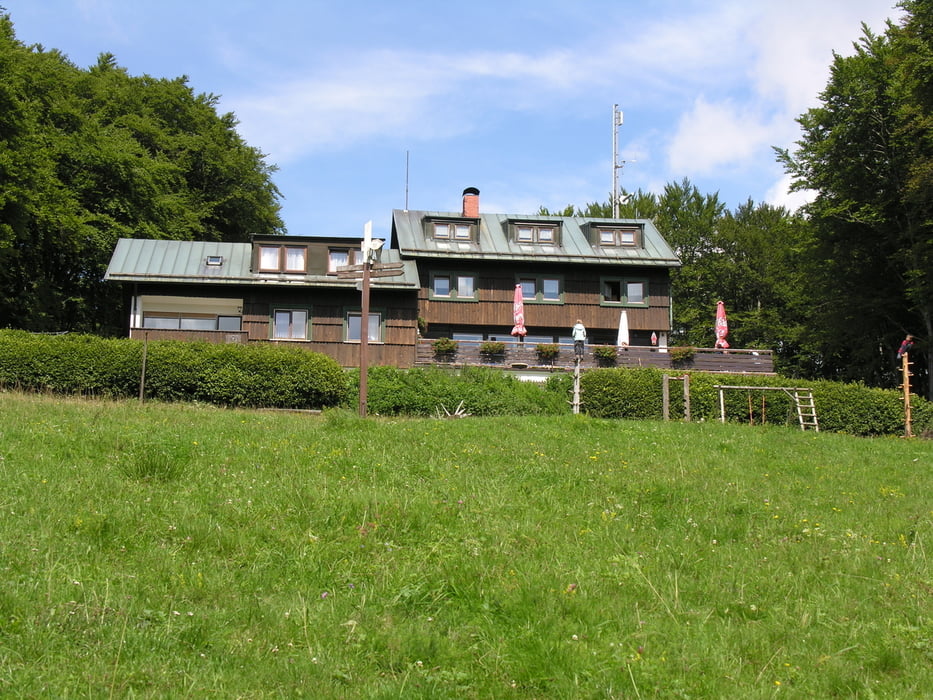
88 156
91 155
835 287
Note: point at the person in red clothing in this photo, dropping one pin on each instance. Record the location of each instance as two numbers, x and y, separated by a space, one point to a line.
906 345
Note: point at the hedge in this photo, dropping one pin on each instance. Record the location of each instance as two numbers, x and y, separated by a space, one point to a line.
483 391
230 375
284 376
845 408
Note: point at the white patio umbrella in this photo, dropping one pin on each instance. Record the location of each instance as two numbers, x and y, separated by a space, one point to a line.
623 339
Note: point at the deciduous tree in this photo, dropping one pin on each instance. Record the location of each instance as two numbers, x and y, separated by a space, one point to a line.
867 151
89 156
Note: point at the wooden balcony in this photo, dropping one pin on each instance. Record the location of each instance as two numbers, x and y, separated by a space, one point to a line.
519 356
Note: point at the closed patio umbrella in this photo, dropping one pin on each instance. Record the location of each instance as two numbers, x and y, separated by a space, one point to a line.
518 313
722 326
623 338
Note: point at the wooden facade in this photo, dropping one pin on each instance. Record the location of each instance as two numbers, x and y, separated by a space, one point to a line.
492 312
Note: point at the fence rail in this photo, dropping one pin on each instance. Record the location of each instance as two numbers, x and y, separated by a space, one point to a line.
522 355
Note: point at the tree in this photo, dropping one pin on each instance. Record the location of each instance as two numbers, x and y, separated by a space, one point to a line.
868 153
749 258
89 156
689 220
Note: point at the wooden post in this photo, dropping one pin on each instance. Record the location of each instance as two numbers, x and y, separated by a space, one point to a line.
905 381
576 386
364 337
142 372
666 396
687 397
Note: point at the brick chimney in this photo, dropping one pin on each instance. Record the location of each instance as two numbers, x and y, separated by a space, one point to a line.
471 203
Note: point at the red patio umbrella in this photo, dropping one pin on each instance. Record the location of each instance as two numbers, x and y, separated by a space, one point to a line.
518 313
722 326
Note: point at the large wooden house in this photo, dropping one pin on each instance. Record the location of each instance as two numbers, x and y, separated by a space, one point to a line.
448 274
568 268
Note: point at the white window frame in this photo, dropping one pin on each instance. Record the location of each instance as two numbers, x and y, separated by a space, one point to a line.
355 318
453 231
619 237
297 329
536 233
295 258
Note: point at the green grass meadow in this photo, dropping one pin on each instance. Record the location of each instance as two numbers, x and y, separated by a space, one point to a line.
189 551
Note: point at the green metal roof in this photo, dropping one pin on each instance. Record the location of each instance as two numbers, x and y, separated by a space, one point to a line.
186 262
495 243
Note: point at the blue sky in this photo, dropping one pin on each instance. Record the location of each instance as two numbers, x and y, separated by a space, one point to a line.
511 96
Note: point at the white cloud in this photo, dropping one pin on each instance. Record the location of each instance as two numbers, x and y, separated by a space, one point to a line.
715 135
395 94
794 42
780 195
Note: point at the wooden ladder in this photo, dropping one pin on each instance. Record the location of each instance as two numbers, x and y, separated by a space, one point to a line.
806 408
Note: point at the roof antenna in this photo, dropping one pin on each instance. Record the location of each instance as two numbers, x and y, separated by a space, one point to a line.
406 180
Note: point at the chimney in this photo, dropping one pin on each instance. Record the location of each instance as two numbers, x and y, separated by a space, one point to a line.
471 203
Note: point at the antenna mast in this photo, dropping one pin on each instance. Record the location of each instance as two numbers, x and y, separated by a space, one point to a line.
616 123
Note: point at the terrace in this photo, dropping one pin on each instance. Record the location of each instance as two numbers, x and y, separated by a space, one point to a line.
522 356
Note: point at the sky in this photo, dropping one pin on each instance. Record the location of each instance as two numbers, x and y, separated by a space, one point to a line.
365 107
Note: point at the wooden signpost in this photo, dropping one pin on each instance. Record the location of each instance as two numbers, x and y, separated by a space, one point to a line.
364 272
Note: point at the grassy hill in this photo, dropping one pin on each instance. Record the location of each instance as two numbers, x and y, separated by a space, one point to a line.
183 550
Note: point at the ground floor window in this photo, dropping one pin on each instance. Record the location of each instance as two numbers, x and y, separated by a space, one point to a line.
354 323
290 324
191 322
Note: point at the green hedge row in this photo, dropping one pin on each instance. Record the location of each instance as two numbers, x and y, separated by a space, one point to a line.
483 391
284 376
229 375
845 408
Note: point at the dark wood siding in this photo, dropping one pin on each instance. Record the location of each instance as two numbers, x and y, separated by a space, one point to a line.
327 308
581 299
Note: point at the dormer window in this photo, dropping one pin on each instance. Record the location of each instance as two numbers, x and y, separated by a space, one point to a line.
341 257
283 258
449 230
535 233
618 237
296 259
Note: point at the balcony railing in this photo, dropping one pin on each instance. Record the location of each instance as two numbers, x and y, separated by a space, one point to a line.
519 355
